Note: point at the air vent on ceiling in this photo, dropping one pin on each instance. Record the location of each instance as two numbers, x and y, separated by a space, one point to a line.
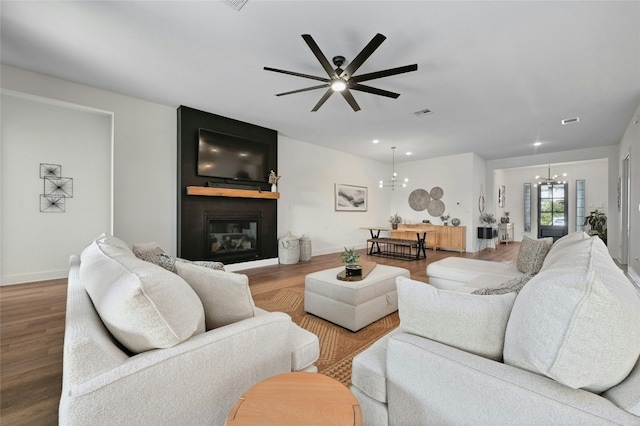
570 120
422 112
236 4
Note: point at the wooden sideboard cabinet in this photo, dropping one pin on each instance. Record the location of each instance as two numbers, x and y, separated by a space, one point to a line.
438 236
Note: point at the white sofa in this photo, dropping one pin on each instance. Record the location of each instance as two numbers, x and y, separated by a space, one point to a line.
564 350
468 275
195 381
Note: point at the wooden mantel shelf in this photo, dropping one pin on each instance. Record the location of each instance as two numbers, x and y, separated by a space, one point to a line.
226 192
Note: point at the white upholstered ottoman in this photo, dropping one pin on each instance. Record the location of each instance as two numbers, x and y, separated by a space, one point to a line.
352 304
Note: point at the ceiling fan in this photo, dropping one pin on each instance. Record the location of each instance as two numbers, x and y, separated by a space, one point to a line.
343 80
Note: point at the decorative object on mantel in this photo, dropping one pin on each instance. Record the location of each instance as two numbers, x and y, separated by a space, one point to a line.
550 180
288 249
445 219
505 218
350 258
395 220
273 180
393 182
350 198
56 188
455 221
419 200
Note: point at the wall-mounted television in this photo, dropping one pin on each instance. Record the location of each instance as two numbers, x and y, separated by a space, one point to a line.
230 157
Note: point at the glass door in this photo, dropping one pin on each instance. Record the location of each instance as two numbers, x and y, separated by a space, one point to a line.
552 210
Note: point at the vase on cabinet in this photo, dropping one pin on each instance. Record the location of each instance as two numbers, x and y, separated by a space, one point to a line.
274 187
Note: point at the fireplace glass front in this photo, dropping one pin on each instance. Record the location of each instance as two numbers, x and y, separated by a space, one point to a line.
233 237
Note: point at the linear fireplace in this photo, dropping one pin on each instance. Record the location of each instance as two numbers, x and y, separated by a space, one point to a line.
232 237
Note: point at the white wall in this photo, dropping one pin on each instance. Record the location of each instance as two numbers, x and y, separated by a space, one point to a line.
36 245
630 145
145 156
306 205
459 176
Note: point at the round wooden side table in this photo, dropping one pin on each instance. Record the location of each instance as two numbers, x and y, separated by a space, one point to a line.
296 399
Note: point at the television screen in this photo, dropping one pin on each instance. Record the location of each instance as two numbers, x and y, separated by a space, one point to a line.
225 156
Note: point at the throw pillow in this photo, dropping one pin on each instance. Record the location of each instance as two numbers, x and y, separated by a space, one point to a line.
532 253
465 321
148 255
142 305
225 295
152 252
577 322
513 285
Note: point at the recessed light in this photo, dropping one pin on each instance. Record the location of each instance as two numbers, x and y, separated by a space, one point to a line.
409 153
570 120
537 143
375 141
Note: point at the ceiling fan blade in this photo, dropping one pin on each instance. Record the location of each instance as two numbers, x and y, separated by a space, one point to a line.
322 100
375 91
384 73
297 74
375 42
350 99
303 90
319 55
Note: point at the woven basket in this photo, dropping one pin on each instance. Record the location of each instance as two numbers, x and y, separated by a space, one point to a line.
288 249
305 248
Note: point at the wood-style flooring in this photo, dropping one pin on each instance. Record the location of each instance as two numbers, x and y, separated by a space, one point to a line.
32 331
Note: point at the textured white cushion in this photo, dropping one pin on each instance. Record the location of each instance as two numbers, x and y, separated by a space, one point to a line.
225 295
143 306
473 323
577 322
557 250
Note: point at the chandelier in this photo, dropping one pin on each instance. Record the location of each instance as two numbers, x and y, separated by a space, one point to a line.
551 180
393 182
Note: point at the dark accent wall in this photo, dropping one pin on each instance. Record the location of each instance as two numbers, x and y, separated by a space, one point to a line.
192 209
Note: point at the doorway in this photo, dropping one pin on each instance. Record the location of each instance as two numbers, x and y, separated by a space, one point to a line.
552 210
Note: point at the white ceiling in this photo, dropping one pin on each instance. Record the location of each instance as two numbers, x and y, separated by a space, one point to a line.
498 75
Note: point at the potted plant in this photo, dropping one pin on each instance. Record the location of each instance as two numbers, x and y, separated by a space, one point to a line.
395 220
486 230
487 219
350 258
445 219
597 221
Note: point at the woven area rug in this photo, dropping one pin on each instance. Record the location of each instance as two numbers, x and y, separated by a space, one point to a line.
338 345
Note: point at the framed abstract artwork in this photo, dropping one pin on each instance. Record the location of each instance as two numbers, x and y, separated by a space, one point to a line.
350 198
501 196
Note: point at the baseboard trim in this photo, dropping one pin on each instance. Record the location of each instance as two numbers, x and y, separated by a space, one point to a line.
33 277
233 267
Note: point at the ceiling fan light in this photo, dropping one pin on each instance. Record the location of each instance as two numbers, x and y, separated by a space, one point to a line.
338 85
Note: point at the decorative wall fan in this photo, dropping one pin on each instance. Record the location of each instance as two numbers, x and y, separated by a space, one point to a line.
343 80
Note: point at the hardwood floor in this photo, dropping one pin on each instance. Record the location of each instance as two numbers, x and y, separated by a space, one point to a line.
32 331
